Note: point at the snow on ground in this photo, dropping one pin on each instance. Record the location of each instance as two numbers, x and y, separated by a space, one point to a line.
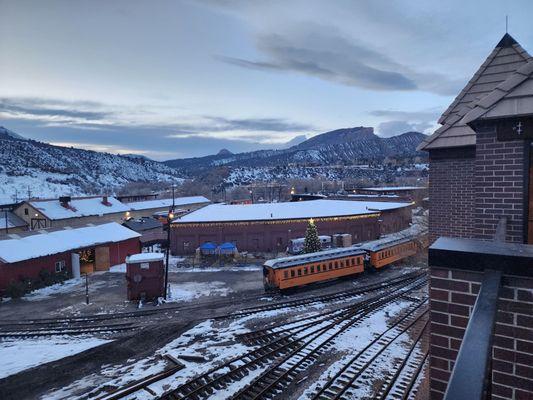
188 291
68 286
118 268
354 340
18 355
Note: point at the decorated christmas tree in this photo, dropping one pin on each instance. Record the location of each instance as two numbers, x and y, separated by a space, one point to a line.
312 242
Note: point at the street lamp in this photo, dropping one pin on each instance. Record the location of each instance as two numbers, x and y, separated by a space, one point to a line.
170 217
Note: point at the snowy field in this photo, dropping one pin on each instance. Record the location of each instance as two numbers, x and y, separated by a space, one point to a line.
18 355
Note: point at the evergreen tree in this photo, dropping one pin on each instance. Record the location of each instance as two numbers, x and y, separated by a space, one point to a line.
312 241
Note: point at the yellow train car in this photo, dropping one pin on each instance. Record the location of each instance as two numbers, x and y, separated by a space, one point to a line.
290 272
382 252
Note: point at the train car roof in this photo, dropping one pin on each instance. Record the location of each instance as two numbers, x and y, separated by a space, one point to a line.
380 244
284 262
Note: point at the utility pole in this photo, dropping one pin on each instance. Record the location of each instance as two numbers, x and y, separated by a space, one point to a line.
86 289
5 215
170 217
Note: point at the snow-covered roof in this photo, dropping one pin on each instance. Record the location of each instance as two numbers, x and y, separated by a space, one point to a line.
79 207
289 210
44 244
13 221
391 188
144 257
180 201
285 262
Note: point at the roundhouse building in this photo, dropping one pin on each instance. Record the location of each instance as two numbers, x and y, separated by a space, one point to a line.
269 227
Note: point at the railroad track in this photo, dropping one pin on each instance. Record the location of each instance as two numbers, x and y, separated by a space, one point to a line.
301 347
346 381
68 330
338 296
99 323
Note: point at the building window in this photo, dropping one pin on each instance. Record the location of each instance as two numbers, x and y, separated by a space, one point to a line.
299 272
292 273
26 212
285 274
186 246
336 264
330 266
305 271
60 266
318 268
312 270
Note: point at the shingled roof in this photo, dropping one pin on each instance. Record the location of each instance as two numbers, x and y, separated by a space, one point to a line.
512 98
506 58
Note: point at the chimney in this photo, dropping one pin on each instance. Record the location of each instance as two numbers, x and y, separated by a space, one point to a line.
105 201
64 201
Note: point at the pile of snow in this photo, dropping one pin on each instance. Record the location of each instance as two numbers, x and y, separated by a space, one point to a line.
188 291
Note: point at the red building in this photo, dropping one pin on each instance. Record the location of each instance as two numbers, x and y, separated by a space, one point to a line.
268 227
92 247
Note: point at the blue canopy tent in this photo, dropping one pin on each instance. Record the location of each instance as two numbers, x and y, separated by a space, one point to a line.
227 248
208 248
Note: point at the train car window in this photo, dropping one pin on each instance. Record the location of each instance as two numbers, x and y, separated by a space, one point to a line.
292 273
285 274
313 270
299 272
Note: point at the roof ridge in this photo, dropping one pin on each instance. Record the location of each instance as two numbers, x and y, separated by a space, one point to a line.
447 120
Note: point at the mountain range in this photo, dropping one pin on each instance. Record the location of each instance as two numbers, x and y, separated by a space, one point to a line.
341 146
46 170
29 167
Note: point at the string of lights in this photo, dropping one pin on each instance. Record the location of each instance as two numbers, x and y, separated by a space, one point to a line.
177 224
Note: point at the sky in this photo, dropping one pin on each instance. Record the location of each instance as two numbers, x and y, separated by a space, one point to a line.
182 78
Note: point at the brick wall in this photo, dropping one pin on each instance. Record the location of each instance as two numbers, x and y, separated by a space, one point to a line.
499 184
452 297
451 193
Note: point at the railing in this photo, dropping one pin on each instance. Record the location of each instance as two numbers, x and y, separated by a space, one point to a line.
472 368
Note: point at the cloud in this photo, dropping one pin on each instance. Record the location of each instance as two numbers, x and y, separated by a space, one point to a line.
327 53
141 130
393 128
404 121
50 109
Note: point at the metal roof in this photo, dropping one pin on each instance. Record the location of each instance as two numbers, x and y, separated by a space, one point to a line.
285 262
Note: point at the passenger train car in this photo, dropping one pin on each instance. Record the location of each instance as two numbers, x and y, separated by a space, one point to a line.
290 272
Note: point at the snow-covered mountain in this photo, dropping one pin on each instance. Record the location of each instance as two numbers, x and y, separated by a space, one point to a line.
342 146
49 171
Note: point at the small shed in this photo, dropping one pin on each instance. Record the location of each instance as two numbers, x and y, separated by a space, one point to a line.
145 275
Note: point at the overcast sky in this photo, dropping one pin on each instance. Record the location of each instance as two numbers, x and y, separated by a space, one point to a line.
172 79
